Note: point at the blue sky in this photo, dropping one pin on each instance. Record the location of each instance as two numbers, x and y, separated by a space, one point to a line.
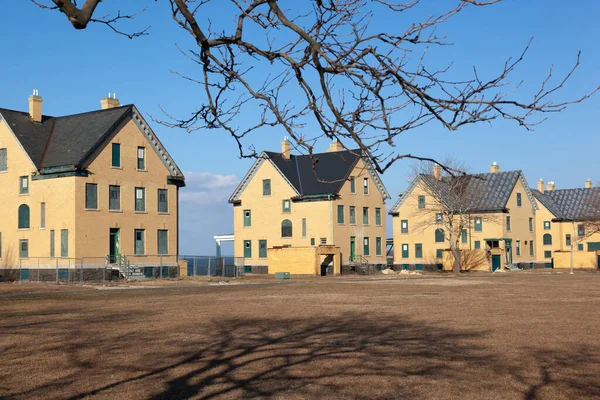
73 69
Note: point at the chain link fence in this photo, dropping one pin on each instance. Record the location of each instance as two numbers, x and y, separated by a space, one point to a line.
231 267
92 269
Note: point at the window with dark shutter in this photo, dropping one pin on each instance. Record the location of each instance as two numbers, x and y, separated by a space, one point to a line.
114 201
3 161
439 235
163 241
42 215
286 228
163 201
116 155
52 244
23 216
266 187
340 214
418 250
139 242
141 158
64 243
91 196
24 185
140 199
262 249
23 248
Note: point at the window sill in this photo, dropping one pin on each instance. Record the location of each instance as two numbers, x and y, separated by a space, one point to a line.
286 212
3 172
164 213
115 211
42 229
140 255
113 167
366 225
23 194
91 209
141 170
140 212
24 229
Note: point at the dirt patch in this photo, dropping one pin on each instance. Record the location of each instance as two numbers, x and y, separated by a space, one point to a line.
510 337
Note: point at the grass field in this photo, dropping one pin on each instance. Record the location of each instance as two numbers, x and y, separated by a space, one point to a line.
512 336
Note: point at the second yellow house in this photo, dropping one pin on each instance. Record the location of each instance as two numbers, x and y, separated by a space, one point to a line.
334 198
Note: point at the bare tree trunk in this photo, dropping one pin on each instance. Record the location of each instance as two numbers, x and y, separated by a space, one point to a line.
456 254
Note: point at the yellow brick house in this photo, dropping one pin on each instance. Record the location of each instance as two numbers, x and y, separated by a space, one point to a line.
88 186
334 198
498 213
562 223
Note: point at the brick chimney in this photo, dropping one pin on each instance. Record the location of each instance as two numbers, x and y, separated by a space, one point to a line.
494 168
35 106
550 187
335 146
437 172
285 148
110 102
541 186
588 184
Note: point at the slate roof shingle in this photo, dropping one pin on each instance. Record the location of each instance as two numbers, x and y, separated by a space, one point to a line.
487 192
63 141
571 204
330 173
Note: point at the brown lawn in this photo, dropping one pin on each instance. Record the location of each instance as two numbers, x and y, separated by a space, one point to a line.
509 336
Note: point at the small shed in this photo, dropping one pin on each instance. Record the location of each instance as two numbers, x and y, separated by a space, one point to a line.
320 260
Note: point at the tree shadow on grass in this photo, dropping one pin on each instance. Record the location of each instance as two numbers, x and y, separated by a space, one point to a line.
345 356
353 355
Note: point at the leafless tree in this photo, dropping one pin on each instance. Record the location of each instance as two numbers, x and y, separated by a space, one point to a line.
323 66
451 206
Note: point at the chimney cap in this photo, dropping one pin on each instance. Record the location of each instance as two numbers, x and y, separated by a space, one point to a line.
494 163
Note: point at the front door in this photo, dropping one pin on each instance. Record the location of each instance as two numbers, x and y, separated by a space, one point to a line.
496 261
352 248
113 245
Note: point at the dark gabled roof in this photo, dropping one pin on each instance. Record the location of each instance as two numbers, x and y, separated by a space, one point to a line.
63 141
484 192
571 204
328 176
487 192
331 170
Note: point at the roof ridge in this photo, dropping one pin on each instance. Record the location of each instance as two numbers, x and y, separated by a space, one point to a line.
68 115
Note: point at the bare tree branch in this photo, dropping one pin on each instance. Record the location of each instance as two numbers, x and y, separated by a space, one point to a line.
323 70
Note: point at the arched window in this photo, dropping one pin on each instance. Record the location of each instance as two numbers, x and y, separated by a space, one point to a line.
286 228
23 216
439 235
547 239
